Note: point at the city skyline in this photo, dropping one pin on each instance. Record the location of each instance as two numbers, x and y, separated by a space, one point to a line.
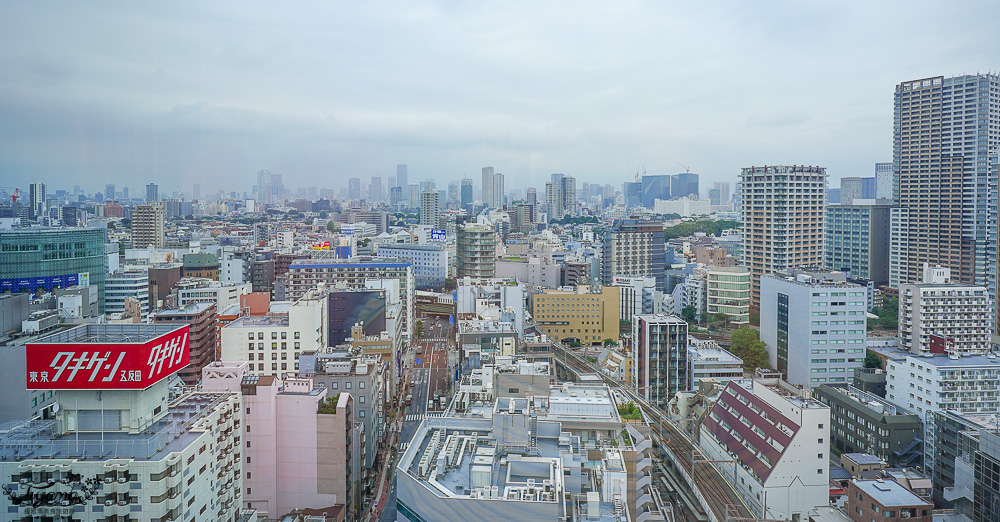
448 90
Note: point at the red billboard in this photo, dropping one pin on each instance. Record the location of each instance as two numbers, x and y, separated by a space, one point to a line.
110 366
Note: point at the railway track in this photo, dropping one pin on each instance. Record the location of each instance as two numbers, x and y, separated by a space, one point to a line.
722 501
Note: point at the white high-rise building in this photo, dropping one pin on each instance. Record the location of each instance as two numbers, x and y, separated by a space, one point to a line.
148 225
939 316
430 208
883 180
488 186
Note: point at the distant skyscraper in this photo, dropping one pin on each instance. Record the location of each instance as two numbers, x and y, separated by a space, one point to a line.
857 240
452 193
498 191
850 189
684 184
375 190
109 191
77 190
724 191
152 192
783 208
883 180
36 199
531 196
430 208
632 192
354 188
488 187
714 197
560 196
944 132
654 188
196 191
401 179
466 193
412 194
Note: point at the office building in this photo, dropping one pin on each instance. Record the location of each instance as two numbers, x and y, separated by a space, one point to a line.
401 175
488 189
148 228
357 272
115 448
581 315
109 191
430 208
299 441
709 361
783 214
466 194
203 339
724 188
939 316
779 436
857 239
430 262
814 325
152 193
637 295
201 290
273 342
945 130
354 188
38 259
634 248
475 251
885 501
948 444
728 293
684 185
864 422
531 196
350 308
37 200
660 365
654 187
883 180
560 197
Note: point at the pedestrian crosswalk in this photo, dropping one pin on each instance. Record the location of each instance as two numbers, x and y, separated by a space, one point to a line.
422 416
403 445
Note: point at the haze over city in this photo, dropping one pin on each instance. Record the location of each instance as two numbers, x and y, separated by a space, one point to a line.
320 92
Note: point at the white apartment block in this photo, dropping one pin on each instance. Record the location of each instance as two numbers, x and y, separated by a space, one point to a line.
779 437
199 290
491 298
123 284
939 316
430 262
923 384
814 326
272 343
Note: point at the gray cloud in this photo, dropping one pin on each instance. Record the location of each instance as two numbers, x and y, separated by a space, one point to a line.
210 92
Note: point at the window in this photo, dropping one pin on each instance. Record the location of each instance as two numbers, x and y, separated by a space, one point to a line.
361 385
819 471
820 441
248 460
362 413
361 398
248 489
335 385
348 385
248 475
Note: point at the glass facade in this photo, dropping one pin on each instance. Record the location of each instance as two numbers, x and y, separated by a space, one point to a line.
42 259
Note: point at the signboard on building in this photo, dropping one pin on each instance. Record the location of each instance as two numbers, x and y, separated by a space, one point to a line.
439 234
321 245
106 366
30 284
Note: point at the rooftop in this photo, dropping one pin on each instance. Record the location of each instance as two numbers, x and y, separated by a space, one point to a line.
259 321
889 493
863 458
109 333
191 308
39 439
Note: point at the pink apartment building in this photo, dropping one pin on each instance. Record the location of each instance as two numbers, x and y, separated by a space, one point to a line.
298 442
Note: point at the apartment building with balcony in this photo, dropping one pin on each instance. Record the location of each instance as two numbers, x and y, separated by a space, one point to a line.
779 437
660 366
783 210
938 316
475 250
967 384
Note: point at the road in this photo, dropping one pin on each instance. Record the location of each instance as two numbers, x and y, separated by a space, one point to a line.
429 375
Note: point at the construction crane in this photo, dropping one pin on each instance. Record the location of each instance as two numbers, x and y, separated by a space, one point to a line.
686 168
640 172
13 197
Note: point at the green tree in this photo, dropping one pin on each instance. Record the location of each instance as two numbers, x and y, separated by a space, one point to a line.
331 226
872 361
419 326
748 346
324 214
888 314
610 342
689 313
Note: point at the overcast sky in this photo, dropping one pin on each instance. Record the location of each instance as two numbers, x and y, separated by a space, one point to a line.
210 92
